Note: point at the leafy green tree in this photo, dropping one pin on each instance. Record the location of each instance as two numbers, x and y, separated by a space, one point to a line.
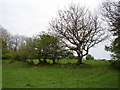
56 48
21 54
30 47
42 46
48 47
111 14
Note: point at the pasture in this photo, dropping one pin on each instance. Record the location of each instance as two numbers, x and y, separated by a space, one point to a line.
95 74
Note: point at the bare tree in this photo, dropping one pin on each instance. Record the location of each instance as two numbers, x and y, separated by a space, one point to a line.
18 41
6 36
109 11
78 29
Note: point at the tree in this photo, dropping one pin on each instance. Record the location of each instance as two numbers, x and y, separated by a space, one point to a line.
42 46
48 46
78 29
111 14
21 54
5 51
56 49
18 40
24 48
5 38
4 34
30 47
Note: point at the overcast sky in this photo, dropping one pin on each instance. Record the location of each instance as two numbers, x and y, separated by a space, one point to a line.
29 17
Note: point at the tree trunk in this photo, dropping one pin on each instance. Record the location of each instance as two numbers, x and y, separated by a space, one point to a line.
44 60
40 61
32 63
54 61
79 59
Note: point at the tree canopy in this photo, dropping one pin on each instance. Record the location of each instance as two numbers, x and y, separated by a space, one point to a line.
78 29
111 14
49 47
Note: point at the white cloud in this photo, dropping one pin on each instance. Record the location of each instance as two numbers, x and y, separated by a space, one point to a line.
99 52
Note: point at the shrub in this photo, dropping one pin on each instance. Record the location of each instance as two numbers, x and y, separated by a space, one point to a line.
103 59
89 57
20 55
7 56
115 64
16 57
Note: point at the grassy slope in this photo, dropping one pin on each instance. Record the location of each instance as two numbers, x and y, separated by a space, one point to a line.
97 75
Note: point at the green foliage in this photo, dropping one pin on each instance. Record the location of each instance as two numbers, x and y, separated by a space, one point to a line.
115 64
30 48
25 51
43 46
21 54
48 47
89 57
115 29
16 57
69 55
6 54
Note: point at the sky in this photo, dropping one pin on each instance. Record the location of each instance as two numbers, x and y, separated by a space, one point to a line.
29 17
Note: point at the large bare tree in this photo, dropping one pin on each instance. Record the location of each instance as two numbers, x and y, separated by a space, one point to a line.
78 29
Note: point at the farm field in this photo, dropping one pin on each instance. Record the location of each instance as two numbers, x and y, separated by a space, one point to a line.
96 74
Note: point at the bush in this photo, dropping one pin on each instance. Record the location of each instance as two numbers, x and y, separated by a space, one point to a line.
89 57
7 56
20 56
115 64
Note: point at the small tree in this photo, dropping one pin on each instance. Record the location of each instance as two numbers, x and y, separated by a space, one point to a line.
56 48
25 49
21 54
30 47
78 29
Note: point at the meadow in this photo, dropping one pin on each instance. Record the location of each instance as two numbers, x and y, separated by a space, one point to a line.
95 74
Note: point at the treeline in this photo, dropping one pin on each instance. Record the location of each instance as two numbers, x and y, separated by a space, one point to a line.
42 46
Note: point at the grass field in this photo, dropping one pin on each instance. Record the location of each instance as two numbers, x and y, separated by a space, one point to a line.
95 75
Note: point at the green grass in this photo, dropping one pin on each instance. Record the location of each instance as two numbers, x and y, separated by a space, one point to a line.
96 75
